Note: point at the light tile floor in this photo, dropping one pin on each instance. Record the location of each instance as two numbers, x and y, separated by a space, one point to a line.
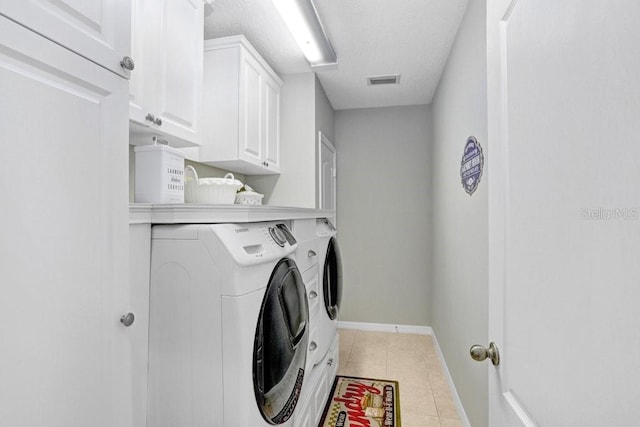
425 396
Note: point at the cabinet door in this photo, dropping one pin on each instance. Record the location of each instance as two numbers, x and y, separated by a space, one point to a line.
271 123
251 135
143 14
96 29
178 69
65 358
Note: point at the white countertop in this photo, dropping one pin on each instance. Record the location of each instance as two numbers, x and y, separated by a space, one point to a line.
140 213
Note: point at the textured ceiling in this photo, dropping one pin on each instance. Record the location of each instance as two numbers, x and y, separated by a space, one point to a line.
371 37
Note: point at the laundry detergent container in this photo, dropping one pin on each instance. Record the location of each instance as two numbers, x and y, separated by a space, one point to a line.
159 176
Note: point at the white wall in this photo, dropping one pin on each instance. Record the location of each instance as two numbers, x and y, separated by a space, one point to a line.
459 303
324 113
384 213
325 116
305 110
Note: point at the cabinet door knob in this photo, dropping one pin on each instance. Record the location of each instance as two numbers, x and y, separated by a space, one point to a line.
127 319
313 346
313 294
158 121
311 253
127 63
150 117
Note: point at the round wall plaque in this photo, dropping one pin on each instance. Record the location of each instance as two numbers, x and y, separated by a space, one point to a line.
471 165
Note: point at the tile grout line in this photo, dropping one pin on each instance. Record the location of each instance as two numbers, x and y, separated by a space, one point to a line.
419 330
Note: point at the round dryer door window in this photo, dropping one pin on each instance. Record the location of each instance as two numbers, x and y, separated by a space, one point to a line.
280 346
332 279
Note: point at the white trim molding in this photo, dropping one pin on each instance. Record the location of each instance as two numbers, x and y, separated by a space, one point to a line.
420 330
384 327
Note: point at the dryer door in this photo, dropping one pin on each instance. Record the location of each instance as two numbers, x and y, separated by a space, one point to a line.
280 346
332 279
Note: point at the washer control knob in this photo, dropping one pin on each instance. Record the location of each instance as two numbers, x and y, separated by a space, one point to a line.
278 236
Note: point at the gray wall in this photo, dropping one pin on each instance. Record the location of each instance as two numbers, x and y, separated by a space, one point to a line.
459 303
384 213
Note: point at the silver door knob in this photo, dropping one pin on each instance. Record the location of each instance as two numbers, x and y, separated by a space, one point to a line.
311 253
313 294
150 117
480 353
127 319
127 63
313 346
158 121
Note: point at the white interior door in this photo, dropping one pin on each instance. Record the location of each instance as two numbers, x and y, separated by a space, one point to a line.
564 215
326 173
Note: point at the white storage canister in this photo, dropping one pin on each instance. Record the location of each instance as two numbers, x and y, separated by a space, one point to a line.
159 174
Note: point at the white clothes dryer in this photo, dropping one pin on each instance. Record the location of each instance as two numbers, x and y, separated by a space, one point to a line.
228 326
330 283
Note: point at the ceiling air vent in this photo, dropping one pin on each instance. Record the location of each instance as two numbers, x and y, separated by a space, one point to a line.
391 79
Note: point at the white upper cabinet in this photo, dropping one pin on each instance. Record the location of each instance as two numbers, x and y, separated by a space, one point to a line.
271 118
166 87
241 109
99 30
65 358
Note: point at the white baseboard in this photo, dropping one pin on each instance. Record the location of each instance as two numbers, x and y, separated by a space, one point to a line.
421 330
384 327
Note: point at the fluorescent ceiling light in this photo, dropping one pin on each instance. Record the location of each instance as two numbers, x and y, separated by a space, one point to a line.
303 22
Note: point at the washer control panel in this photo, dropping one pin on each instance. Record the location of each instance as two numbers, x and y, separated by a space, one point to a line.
253 242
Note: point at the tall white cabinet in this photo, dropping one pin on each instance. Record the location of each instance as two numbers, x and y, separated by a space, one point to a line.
65 356
166 88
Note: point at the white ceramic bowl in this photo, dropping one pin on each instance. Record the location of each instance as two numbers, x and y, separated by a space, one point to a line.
249 198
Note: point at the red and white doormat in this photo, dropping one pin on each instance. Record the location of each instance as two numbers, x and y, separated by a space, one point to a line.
362 402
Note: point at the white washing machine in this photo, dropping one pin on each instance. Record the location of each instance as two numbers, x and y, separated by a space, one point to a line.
228 330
